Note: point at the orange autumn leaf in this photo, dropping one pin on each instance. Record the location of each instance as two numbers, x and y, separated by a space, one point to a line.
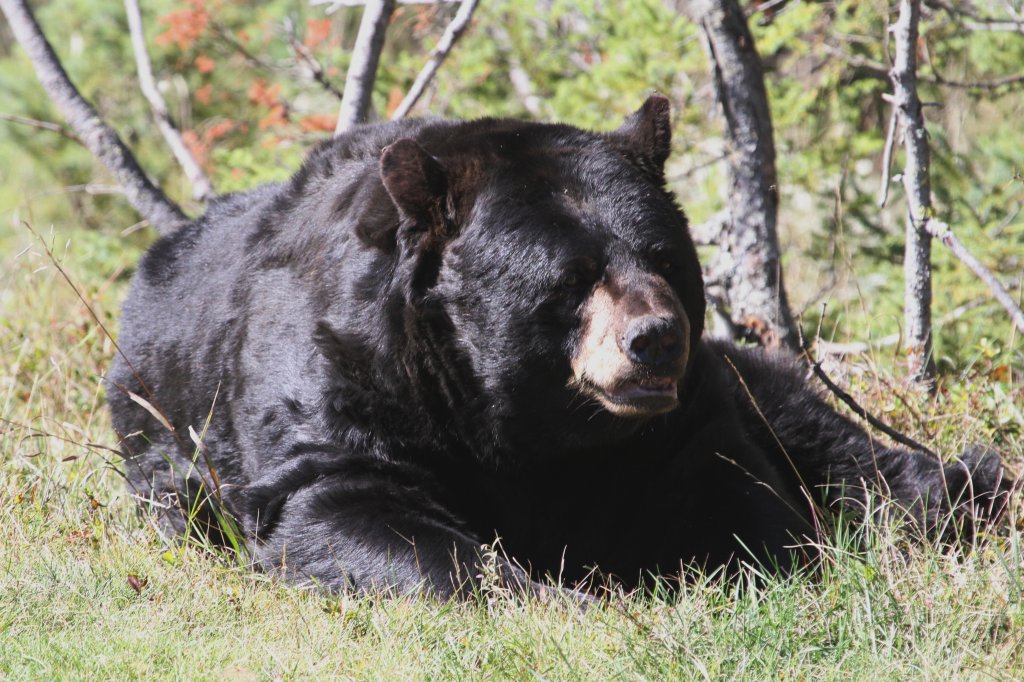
204 64
203 94
317 31
394 99
315 123
274 118
218 130
261 93
184 26
196 147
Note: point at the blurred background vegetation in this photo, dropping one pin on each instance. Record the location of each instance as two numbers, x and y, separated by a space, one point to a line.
249 109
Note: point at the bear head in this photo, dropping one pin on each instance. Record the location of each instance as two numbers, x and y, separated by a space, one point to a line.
551 291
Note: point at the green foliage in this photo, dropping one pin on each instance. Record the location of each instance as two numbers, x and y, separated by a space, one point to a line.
249 109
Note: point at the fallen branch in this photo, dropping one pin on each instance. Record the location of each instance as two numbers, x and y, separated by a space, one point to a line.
85 121
451 34
362 70
202 188
852 403
941 231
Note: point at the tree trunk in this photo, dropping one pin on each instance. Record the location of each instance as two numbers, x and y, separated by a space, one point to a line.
362 70
753 285
917 264
85 121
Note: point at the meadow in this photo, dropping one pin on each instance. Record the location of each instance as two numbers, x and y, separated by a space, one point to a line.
90 589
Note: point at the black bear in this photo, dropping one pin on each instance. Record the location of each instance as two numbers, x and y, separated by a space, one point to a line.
442 333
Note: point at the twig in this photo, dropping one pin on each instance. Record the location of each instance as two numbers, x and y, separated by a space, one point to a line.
852 403
42 125
335 5
979 21
316 69
879 70
994 84
362 70
202 189
944 233
451 34
521 81
88 126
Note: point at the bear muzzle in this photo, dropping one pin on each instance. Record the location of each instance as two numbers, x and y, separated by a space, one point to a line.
633 349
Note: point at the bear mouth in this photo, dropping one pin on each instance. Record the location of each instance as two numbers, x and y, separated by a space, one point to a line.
639 398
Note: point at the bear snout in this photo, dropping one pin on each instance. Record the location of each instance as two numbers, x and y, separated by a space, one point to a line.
652 341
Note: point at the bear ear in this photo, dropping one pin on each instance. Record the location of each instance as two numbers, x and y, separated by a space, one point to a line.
646 136
414 179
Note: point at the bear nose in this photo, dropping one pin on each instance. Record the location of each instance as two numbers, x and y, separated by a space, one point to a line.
653 340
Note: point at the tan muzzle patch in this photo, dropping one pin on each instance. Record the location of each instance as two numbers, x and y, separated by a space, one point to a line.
605 368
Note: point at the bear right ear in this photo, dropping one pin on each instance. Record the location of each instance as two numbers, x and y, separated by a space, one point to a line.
414 179
645 137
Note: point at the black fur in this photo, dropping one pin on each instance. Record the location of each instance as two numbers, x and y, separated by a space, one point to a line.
387 389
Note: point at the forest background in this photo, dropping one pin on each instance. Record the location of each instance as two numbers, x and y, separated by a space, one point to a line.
85 583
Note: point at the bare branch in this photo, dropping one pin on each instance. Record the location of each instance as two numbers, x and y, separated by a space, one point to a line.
917 269
85 121
994 84
335 5
879 70
202 189
979 22
41 125
316 69
852 403
521 81
944 233
451 34
362 70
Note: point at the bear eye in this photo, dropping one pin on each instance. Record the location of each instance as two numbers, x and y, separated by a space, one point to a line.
580 274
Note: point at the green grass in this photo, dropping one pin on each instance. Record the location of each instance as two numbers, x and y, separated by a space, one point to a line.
90 590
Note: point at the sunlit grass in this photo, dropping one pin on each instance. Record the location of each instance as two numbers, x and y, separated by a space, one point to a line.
90 590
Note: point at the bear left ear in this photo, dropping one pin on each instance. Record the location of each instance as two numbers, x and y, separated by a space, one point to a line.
646 136
414 179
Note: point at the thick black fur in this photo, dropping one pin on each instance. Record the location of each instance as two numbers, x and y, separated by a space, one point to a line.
381 349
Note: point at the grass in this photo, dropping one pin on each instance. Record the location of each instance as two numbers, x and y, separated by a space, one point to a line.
90 590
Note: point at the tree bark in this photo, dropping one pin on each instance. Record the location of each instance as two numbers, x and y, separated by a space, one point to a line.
362 70
754 289
917 268
85 121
